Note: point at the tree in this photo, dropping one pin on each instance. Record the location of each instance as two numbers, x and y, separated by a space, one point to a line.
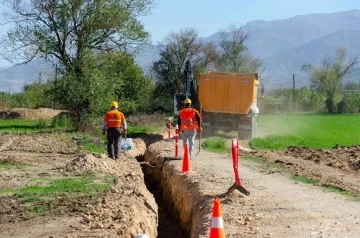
175 50
327 78
107 77
234 55
37 95
73 32
69 29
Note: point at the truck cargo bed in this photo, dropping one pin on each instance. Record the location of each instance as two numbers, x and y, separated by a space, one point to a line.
232 93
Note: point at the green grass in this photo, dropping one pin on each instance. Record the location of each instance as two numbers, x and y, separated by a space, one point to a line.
307 130
135 130
61 187
216 144
32 125
4 165
302 179
39 198
92 147
341 191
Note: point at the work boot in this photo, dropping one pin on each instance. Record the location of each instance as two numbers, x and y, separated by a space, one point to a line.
116 158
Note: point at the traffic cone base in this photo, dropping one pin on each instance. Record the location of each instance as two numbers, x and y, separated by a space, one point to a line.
186 165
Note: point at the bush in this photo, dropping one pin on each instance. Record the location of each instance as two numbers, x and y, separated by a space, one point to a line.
60 121
42 124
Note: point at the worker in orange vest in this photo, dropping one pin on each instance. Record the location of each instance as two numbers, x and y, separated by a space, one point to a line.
189 123
115 126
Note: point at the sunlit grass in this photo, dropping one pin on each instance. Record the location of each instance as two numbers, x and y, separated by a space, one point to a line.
16 125
312 131
39 198
216 144
5 164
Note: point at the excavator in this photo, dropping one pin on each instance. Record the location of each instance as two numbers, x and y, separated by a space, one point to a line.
227 101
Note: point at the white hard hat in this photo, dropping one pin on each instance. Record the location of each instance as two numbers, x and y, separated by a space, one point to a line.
141 236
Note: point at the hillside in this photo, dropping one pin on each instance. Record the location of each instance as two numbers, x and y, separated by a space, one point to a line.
285 63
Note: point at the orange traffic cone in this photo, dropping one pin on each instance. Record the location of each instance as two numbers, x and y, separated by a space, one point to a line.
217 224
186 166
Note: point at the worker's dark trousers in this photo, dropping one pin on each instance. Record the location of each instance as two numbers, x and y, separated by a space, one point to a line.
113 142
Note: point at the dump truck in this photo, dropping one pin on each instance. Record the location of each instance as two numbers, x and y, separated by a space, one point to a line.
227 101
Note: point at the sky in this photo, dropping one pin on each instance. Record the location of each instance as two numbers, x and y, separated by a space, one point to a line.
210 16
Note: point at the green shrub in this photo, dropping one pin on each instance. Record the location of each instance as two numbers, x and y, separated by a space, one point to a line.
60 121
41 124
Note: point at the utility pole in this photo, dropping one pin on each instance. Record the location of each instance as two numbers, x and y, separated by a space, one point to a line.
293 87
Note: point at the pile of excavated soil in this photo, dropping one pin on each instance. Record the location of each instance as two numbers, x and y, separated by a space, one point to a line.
28 114
125 210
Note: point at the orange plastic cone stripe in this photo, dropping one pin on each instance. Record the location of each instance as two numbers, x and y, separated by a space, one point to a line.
217 208
186 166
217 224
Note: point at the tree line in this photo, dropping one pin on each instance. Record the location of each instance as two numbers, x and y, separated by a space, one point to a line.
93 42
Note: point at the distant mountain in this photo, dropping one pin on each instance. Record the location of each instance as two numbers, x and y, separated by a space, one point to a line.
270 37
288 62
147 55
283 45
12 79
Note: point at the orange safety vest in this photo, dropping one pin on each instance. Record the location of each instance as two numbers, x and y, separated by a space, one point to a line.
188 119
114 119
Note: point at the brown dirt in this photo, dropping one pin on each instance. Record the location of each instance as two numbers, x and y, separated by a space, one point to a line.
28 114
276 207
125 210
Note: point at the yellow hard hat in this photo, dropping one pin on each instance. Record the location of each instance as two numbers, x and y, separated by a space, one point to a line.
187 101
114 104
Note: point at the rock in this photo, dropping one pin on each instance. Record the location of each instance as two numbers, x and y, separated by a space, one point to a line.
86 219
99 225
121 232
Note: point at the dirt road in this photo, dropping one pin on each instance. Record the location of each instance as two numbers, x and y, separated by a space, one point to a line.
276 207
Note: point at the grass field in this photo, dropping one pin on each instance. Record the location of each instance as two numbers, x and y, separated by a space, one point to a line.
307 130
32 125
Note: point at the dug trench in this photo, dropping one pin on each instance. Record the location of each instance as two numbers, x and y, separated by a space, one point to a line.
175 208
182 210
186 203
277 206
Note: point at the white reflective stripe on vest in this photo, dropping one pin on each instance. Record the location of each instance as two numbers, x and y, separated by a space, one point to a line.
217 222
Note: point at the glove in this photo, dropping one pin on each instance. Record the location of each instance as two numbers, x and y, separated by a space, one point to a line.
104 132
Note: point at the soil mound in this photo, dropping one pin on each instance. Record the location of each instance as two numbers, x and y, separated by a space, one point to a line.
28 114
